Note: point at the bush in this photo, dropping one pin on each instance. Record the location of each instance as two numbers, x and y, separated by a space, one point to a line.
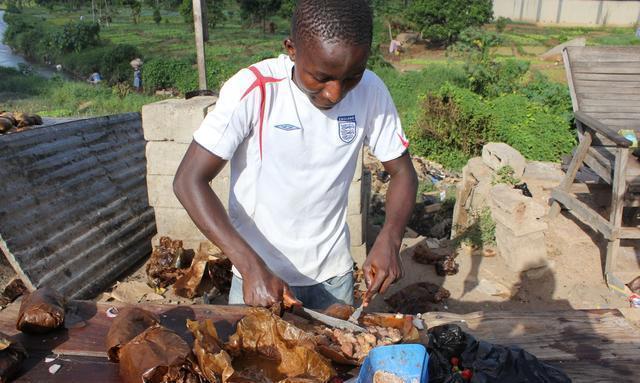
456 123
112 61
76 36
441 21
502 23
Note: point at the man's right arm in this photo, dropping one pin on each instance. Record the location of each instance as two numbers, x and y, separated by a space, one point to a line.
191 186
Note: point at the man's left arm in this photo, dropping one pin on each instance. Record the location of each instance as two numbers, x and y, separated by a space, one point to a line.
383 266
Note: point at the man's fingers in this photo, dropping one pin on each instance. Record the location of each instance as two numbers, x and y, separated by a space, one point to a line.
374 287
388 281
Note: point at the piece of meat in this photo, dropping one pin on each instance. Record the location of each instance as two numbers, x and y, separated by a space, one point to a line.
417 298
166 263
41 311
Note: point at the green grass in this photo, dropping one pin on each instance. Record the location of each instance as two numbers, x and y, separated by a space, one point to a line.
59 98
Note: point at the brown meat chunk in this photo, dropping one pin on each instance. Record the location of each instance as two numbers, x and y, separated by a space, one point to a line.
41 311
130 322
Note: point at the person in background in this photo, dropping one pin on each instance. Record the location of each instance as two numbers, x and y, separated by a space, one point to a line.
137 79
95 78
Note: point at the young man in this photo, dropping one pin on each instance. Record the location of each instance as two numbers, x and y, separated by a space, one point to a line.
292 128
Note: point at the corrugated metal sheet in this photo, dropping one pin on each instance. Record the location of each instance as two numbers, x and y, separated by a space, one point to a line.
74 212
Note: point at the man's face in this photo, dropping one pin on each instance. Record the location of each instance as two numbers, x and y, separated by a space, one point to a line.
326 72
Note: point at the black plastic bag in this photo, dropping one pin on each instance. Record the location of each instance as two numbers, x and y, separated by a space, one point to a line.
488 362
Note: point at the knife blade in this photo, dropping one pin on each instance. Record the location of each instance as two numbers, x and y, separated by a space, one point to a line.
356 314
333 322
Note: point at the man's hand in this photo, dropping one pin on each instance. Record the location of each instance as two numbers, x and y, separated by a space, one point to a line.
382 267
265 289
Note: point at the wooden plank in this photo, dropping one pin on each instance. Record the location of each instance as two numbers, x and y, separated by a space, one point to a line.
617 204
569 74
625 116
606 84
570 176
583 212
552 335
595 165
74 369
619 101
590 371
606 67
608 95
630 233
633 78
600 88
604 54
622 107
89 340
622 123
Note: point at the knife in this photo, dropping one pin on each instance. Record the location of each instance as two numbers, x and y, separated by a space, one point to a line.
356 314
333 322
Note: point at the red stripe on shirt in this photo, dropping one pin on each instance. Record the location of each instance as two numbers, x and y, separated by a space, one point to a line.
404 141
260 82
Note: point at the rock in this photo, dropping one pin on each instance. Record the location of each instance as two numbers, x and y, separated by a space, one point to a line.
522 215
523 252
553 53
543 171
497 155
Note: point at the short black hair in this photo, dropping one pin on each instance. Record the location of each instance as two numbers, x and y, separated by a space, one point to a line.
344 21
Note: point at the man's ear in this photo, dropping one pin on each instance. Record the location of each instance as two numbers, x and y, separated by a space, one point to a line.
291 48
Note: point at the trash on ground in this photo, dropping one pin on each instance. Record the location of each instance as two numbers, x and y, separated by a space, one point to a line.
452 352
417 298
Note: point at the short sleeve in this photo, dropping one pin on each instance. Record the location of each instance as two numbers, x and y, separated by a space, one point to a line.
384 136
230 122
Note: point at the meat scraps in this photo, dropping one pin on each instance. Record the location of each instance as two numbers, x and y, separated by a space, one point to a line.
130 322
291 350
41 311
354 347
158 355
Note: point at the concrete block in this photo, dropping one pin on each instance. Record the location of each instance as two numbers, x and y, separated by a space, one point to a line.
498 154
359 254
163 158
523 215
521 253
177 224
544 172
160 189
175 119
356 229
356 194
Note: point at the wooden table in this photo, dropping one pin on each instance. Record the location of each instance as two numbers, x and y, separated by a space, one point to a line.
590 346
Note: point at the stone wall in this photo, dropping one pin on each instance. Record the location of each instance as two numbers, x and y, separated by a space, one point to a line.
168 128
570 12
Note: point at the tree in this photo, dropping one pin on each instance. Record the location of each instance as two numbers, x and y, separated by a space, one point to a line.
136 8
260 9
186 11
287 8
441 21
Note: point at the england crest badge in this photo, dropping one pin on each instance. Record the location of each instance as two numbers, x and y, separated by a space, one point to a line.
347 128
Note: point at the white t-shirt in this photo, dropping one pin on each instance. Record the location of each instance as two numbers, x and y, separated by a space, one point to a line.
290 175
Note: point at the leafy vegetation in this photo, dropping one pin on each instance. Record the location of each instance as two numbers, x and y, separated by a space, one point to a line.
442 21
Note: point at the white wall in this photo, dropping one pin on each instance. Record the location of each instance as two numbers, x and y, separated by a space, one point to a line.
570 12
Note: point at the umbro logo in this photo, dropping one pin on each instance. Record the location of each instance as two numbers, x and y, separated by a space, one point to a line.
287 127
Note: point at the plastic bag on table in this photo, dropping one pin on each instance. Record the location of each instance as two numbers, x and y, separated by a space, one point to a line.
130 322
41 311
11 356
488 362
158 355
291 349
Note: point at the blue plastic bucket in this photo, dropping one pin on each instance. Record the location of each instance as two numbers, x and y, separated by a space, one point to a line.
407 361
